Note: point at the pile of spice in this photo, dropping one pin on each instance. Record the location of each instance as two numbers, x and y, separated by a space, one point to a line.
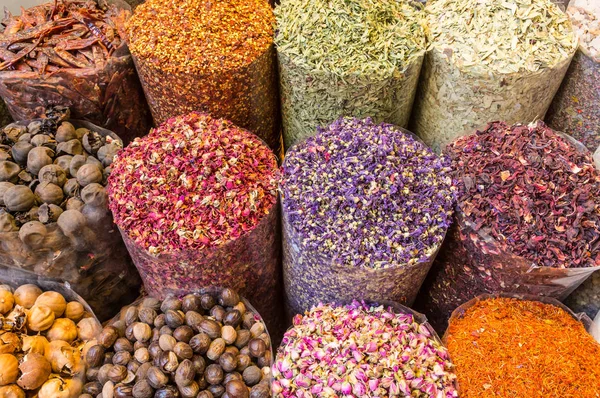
365 209
72 53
574 109
54 216
215 57
41 341
361 350
507 347
527 218
196 203
489 60
356 57
206 345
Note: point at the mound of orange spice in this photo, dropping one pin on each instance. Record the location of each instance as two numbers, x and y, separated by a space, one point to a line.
505 347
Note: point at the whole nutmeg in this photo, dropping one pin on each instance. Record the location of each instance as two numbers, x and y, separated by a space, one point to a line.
142 389
133 366
103 373
88 328
200 343
74 311
174 319
218 313
183 351
49 213
89 174
211 328
121 358
123 391
11 391
265 360
41 317
147 315
19 198
217 347
37 158
156 378
34 344
92 388
140 373
229 334
53 174
167 392
123 344
9 369
228 362
191 302
71 187
165 330
193 319
117 373
199 364
142 355
171 303
159 321
108 356
207 301
168 361
95 356
130 314
154 350
189 391
142 332
65 132
183 333
138 344
205 394
55 301
229 297
62 329
129 333
49 193
185 373
257 329
257 347
108 390
260 391
33 234
35 370
242 339
9 171
243 362
232 318
248 319
150 302
237 389
166 342
252 375
214 374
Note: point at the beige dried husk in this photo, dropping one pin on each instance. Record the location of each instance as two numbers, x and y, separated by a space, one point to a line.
489 60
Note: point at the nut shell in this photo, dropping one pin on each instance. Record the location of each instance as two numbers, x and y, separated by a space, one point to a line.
35 370
54 300
40 318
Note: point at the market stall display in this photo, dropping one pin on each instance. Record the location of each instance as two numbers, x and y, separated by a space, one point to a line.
575 108
73 54
202 345
357 58
362 350
489 60
365 210
196 203
43 332
513 347
527 219
215 57
54 219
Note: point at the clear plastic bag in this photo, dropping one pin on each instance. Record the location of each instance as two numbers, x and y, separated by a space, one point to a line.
94 261
110 96
249 264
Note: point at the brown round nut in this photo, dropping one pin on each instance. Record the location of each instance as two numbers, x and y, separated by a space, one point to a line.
217 347
214 374
257 347
237 389
142 332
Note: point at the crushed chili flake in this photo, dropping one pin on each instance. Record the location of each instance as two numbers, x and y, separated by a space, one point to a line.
508 347
192 183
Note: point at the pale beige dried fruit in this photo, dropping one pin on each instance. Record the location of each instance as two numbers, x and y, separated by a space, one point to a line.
35 344
26 295
11 391
63 329
74 311
35 370
9 369
7 301
41 317
54 300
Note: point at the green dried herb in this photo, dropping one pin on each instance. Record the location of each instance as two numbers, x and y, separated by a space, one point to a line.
347 58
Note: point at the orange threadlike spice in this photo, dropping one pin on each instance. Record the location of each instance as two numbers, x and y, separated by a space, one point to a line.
505 347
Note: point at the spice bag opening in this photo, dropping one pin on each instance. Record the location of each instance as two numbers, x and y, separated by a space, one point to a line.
474 259
332 248
203 343
574 108
322 78
100 87
45 326
361 332
465 83
55 226
241 87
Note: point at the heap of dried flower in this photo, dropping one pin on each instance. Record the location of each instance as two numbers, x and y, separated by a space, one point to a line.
489 60
527 219
196 203
361 350
366 207
508 347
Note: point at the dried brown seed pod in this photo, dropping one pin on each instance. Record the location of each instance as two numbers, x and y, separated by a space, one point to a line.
48 213
54 300
71 222
62 329
71 147
9 171
74 311
41 317
37 158
89 174
81 132
35 370
94 195
34 344
71 187
64 162
54 174
13 131
76 162
63 358
49 193
20 151
156 378
33 234
11 391
142 389
19 198
65 132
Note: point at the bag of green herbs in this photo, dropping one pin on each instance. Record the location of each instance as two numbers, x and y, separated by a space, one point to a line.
365 207
356 58
196 203
527 218
489 60
55 224
575 108
209 56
